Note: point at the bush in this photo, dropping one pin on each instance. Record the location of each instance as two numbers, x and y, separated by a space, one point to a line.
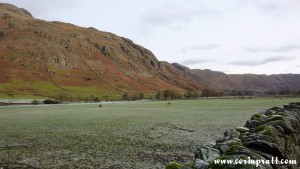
49 101
172 94
132 97
34 102
125 96
62 97
158 95
191 94
1 33
173 165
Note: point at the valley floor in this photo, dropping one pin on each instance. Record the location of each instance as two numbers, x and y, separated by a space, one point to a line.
119 135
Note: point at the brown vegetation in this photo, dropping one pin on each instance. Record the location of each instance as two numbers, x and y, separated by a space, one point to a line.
34 52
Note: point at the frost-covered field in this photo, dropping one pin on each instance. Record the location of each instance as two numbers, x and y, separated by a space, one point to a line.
119 135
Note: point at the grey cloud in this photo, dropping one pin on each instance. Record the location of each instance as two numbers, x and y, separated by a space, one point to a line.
273 6
205 47
257 49
263 5
275 59
201 47
172 11
284 48
298 65
166 17
195 61
185 11
245 63
262 62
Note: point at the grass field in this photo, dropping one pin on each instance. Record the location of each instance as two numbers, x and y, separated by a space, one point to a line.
119 135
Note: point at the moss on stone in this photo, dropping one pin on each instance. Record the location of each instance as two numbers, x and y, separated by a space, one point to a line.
255 116
274 118
282 123
174 165
267 130
260 128
188 165
282 113
234 148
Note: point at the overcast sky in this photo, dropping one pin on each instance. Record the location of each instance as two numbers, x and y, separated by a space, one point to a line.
232 36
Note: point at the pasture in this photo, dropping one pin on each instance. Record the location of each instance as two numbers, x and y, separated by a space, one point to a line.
119 135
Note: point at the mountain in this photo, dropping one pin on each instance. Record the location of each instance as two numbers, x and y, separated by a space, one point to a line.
49 58
221 81
52 57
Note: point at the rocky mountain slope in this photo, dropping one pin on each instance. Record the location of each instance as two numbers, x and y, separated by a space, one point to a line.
49 58
39 56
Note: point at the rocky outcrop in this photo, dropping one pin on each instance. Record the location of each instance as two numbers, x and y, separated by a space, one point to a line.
269 140
14 9
54 54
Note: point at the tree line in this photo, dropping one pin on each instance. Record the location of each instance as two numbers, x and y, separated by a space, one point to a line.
169 94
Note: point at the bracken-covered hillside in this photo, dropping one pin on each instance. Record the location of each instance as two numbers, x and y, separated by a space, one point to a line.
45 57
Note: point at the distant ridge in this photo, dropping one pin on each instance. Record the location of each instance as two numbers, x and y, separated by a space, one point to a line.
222 81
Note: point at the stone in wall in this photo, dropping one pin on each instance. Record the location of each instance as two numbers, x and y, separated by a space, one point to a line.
268 137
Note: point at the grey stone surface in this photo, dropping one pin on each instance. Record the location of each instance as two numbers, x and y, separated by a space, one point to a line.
269 134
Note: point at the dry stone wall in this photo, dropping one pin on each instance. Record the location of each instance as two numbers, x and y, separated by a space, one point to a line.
269 138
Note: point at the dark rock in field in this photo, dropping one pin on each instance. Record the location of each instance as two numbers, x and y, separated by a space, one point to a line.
271 134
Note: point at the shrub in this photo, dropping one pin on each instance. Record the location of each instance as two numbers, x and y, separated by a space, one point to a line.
125 96
49 101
1 33
34 102
170 94
173 165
